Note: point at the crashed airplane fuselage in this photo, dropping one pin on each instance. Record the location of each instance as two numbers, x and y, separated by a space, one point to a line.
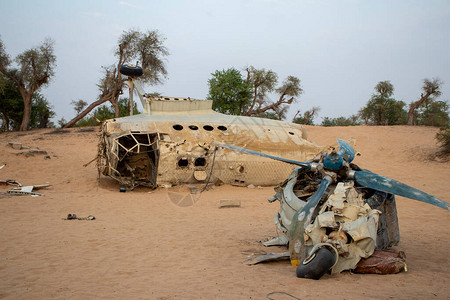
172 142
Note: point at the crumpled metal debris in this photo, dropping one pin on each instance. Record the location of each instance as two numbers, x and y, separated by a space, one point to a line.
348 224
28 190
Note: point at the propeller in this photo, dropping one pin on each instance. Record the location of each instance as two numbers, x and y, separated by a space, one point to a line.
336 161
301 219
388 185
251 152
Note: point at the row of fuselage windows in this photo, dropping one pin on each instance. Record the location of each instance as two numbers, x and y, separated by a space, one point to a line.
198 162
195 127
179 127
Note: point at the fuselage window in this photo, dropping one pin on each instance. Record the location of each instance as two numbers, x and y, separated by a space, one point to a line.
177 127
200 162
183 162
223 128
193 127
208 127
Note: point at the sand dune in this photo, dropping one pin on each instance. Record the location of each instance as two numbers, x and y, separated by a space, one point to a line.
142 246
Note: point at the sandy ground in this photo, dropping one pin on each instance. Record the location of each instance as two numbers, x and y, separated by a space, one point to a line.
142 246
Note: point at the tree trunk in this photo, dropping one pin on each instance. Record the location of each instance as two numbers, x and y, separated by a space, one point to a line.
26 111
115 104
85 112
417 104
411 111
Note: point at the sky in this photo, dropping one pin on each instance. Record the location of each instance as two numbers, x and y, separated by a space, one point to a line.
339 49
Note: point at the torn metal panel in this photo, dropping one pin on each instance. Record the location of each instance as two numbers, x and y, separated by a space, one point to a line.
28 190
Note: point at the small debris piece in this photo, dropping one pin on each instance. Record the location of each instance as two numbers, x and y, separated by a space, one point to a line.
10 182
2 166
25 190
74 217
28 190
250 186
123 189
230 203
15 146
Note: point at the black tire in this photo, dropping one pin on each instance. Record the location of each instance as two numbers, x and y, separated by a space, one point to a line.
130 70
317 266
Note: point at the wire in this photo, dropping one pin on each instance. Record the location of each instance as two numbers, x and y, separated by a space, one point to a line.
210 172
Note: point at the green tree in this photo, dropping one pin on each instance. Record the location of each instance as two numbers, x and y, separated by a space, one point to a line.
431 89
353 120
79 105
147 48
12 108
250 96
308 116
229 91
263 83
11 104
35 68
443 138
381 109
41 112
434 113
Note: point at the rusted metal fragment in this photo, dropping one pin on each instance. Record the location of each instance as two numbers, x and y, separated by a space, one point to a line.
382 262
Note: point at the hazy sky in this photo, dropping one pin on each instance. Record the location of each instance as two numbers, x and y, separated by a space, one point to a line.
338 49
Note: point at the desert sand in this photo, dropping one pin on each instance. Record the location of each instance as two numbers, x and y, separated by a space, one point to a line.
143 246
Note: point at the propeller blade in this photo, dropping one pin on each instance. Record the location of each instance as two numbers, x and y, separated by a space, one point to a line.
346 150
388 185
302 219
247 151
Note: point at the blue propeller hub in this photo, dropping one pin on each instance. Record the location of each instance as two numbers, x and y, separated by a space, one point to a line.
333 161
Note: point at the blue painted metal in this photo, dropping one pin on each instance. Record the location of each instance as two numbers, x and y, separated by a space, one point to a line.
346 151
388 185
302 218
333 162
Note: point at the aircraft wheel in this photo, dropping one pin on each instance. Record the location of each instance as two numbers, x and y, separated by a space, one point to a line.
130 70
316 265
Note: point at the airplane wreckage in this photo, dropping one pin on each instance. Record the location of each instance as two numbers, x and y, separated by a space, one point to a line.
172 142
333 216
